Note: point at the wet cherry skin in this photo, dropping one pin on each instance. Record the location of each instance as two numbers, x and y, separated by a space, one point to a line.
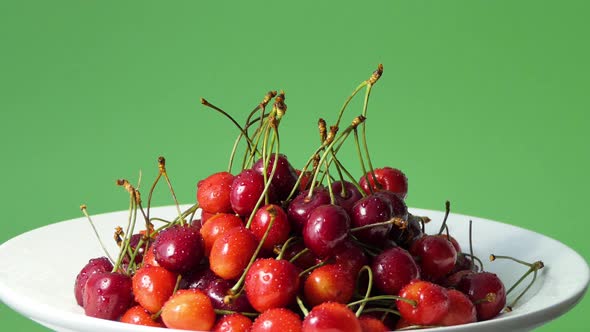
432 303
271 283
277 319
331 317
393 269
326 229
389 178
179 248
213 193
95 265
107 295
189 309
138 315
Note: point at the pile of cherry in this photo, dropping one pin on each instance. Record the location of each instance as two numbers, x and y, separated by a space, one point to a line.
280 249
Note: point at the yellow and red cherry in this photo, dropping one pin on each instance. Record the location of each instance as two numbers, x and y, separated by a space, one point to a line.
213 193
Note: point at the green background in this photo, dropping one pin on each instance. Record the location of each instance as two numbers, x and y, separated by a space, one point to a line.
484 103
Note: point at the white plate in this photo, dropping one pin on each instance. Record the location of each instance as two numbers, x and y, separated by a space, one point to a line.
39 268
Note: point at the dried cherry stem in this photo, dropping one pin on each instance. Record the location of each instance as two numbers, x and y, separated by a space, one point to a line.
331 141
444 223
162 167
384 297
302 306
237 288
208 104
285 246
360 309
490 297
372 80
267 183
399 222
85 212
533 268
130 222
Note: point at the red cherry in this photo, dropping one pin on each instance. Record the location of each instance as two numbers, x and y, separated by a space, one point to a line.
233 323
305 260
271 283
139 316
188 309
372 324
304 182
231 252
391 179
461 310
245 191
329 283
301 206
152 286
277 319
107 295
370 210
95 265
331 317
436 255
350 257
326 229
218 289
347 196
279 232
393 269
216 226
432 303
179 248
487 291
149 258
213 193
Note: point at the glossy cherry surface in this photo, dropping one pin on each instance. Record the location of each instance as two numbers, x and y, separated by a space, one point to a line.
393 269
271 283
389 178
213 193
301 206
107 295
179 248
95 265
284 177
326 229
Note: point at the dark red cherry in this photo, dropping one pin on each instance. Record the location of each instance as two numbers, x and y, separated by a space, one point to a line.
217 291
305 260
370 210
133 242
179 248
486 291
107 295
436 255
95 265
404 237
284 178
278 233
350 257
346 194
326 229
300 208
245 191
391 179
393 269
399 208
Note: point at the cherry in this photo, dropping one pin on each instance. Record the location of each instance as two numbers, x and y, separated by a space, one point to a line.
95 265
301 206
133 242
398 206
231 252
206 216
245 191
271 283
277 319
329 283
107 295
200 279
218 289
347 198
235 322
304 260
326 229
213 193
284 177
139 316
452 280
487 291
179 248
453 241
404 237
391 179
152 286
393 269
370 210
436 255
432 303
189 309
305 178
217 226
149 257
280 229
331 317
461 310
372 324
350 257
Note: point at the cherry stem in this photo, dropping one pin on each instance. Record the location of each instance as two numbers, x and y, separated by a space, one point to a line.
471 238
285 246
302 306
533 268
347 101
386 310
162 167
360 155
235 291
311 268
473 257
364 136
150 194
384 297
444 223
130 222
359 311
401 223
85 212
230 312
299 254
350 177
